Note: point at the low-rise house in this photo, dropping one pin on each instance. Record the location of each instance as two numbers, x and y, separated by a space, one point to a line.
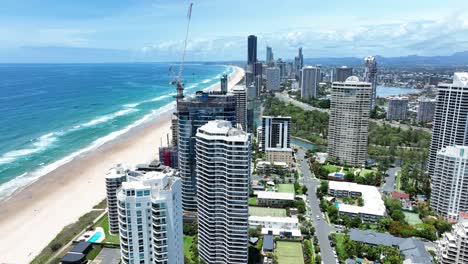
268 244
285 226
268 199
404 199
412 249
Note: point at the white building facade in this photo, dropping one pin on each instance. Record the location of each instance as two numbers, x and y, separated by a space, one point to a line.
349 121
449 180
453 247
114 178
223 171
450 125
150 218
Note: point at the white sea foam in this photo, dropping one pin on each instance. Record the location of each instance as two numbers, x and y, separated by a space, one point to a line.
206 81
104 118
26 179
37 145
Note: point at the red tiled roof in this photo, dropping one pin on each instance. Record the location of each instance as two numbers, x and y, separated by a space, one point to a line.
400 195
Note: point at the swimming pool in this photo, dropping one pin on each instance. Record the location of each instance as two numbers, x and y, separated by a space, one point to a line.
95 237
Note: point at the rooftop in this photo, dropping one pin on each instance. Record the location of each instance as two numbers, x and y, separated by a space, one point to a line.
273 219
411 248
373 203
222 129
275 195
454 151
268 242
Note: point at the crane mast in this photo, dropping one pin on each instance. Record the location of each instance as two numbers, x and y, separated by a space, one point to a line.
178 82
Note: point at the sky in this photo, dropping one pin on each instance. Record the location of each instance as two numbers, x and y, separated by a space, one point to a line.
154 30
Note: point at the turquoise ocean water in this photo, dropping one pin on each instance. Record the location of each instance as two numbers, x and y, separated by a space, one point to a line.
51 113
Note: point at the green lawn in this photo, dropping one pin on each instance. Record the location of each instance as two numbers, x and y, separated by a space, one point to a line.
263 211
104 223
364 172
412 218
289 252
286 188
187 243
331 168
253 201
340 249
94 252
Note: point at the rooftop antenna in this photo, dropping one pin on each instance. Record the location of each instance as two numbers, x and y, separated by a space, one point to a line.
178 82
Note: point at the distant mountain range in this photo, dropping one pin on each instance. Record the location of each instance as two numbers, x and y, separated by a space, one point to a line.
459 59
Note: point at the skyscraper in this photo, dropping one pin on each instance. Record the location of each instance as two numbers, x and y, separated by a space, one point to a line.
453 246
282 66
150 218
397 108
276 138
342 73
193 112
223 168
349 121
273 79
310 82
449 182
240 93
224 83
450 126
370 76
426 109
114 179
251 49
269 56
301 59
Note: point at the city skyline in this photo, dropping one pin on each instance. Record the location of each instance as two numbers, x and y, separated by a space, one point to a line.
50 31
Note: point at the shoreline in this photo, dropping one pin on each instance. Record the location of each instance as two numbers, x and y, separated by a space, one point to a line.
34 215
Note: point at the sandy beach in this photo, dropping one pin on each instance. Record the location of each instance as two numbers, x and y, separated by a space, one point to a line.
35 215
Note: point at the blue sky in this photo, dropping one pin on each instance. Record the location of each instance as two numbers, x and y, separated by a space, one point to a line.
153 30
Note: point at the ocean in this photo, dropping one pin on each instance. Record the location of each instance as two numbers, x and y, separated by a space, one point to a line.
51 113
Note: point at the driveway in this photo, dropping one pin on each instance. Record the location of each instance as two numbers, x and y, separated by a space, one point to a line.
389 185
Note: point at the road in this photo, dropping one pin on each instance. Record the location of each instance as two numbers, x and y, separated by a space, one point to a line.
284 97
322 228
389 185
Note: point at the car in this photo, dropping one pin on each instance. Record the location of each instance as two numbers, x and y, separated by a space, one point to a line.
318 217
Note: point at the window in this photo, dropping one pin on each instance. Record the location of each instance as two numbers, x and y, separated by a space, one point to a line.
138 204
139 193
147 193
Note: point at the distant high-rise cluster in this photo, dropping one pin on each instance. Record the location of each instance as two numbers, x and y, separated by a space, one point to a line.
349 121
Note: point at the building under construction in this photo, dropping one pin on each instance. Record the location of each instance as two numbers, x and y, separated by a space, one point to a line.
194 111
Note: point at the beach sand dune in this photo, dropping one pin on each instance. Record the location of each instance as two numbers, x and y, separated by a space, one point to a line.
35 215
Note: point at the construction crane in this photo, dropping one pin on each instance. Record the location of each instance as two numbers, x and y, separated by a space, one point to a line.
178 81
